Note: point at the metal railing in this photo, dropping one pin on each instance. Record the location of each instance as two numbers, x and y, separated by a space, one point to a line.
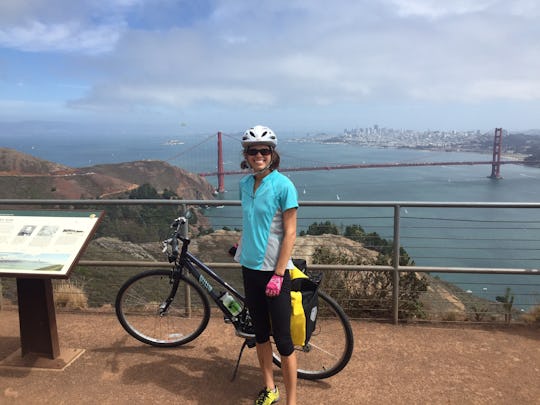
486 229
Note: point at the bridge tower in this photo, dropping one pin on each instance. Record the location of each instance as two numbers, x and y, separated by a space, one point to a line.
497 146
221 171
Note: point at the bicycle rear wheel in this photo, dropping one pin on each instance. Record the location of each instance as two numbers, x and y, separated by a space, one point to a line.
331 344
139 308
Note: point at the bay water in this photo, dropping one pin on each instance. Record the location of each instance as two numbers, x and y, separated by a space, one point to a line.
506 238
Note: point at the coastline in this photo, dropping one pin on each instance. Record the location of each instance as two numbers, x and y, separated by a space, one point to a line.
457 149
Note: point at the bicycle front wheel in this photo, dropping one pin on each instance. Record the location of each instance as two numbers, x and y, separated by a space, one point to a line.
140 308
331 344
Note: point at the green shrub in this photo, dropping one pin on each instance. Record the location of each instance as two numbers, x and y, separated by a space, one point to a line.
369 293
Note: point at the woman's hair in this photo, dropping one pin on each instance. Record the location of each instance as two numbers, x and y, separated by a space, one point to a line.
273 166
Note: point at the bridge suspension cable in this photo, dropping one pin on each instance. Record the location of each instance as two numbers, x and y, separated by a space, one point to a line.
191 148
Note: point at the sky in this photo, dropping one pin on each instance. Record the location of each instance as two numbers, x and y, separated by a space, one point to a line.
186 66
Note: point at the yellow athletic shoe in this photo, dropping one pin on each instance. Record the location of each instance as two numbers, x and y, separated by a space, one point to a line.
267 397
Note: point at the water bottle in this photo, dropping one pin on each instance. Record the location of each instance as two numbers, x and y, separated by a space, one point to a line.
231 304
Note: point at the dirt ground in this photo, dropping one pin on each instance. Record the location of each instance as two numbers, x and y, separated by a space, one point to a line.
409 364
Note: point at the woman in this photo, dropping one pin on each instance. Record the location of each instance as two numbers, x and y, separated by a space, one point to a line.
269 205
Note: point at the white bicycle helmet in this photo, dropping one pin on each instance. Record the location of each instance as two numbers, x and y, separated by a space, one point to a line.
259 135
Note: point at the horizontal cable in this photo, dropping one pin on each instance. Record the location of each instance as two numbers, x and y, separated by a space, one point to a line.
471 248
469 220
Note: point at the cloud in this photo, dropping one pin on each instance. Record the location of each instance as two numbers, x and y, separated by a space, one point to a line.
131 96
14 12
166 55
36 36
508 89
84 26
438 9
347 51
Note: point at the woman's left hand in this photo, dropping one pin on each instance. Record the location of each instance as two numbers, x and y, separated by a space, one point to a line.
273 288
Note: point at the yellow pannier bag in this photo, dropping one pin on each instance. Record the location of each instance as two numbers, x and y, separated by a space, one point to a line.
298 319
303 300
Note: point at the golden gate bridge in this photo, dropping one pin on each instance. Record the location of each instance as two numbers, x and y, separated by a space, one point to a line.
495 163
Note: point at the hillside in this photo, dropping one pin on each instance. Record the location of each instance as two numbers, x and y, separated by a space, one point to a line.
13 162
25 176
160 175
440 298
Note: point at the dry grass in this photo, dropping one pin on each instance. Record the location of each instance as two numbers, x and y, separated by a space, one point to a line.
68 294
533 316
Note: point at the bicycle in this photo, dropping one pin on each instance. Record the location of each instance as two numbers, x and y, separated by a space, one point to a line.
167 308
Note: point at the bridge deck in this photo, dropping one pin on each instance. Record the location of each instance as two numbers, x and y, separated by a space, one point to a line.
375 165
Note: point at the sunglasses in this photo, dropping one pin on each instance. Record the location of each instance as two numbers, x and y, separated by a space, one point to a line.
263 152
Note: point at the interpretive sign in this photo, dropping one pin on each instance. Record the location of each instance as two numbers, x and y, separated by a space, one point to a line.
43 243
35 247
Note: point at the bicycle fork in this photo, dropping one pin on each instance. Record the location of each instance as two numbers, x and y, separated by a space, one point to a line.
164 306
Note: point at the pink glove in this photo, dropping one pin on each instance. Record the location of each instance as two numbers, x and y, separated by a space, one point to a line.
274 286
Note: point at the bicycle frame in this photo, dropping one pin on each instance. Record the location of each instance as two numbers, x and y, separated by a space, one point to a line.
186 260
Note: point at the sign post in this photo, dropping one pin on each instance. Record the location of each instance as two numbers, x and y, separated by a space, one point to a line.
37 318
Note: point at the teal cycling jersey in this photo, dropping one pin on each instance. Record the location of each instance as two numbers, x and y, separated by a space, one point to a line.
262 219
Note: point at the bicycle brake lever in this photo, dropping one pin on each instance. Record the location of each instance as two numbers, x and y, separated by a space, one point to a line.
178 221
165 243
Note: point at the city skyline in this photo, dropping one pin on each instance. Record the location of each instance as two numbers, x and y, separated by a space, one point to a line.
167 66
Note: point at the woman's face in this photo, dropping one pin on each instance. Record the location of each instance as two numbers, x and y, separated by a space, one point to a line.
259 156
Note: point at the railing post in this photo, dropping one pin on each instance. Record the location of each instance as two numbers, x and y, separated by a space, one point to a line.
395 264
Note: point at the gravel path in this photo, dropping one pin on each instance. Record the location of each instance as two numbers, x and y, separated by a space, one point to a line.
390 365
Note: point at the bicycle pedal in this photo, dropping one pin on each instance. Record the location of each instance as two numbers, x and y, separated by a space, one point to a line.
245 335
306 348
226 320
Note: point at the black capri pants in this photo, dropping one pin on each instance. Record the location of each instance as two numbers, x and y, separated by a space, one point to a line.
270 315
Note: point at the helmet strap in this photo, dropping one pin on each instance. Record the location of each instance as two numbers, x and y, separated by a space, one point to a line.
256 172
